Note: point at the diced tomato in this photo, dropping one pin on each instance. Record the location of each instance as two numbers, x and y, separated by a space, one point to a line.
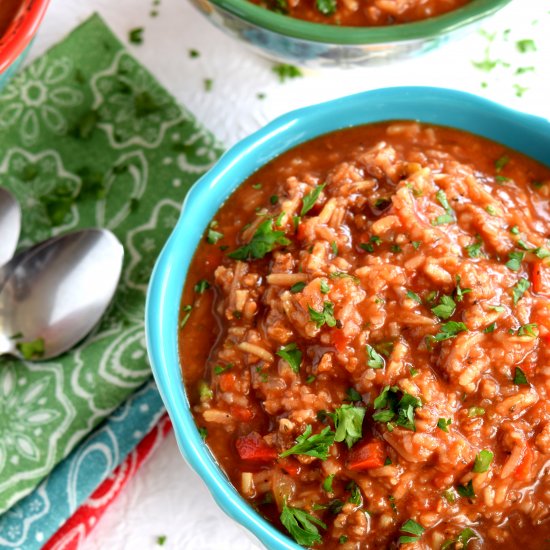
290 466
541 278
242 414
339 339
301 233
524 468
227 381
254 447
367 455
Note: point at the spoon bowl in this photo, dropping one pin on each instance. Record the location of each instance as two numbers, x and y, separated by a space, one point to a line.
57 292
10 225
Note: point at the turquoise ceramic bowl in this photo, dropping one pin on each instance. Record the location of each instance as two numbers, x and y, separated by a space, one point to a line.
524 133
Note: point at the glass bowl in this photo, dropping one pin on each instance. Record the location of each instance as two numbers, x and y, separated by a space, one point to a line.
289 40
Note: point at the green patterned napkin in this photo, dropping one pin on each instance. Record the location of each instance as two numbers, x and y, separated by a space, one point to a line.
89 138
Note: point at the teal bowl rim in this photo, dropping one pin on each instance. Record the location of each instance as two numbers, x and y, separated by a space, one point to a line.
333 34
525 133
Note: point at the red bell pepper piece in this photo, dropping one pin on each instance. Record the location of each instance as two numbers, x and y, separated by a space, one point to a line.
524 467
367 455
253 447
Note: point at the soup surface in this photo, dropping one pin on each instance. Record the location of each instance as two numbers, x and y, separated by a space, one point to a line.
364 339
362 13
8 10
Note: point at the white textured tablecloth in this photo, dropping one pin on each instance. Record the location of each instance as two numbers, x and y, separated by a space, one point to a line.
166 497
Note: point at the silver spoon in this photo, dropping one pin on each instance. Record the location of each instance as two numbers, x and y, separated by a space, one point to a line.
58 292
10 225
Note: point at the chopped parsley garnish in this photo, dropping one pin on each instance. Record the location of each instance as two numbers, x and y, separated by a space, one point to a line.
514 261
220 369
161 539
450 495
348 424
264 240
369 247
203 432
323 287
514 230
416 244
519 289
301 525
32 350
444 423
326 7
391 408
490 328
459 292
501 162
326 316
526 45
292 355
353 395
523 70
446 307
208 83
212 236
491 210
388 461
342 539
413 528
194 53
498 309
414 296
135 36
310 199
466 491
310 379
87 124
316 445
256 186
285 71
375 360
396 249
384 348
334 248
520 378
474 249
355 497
205 391
449 215
450 329
297 287
274 199
528 330
482 461
520 90
343 275
327 484
186 310
461 541
201 286
475 411
541 253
